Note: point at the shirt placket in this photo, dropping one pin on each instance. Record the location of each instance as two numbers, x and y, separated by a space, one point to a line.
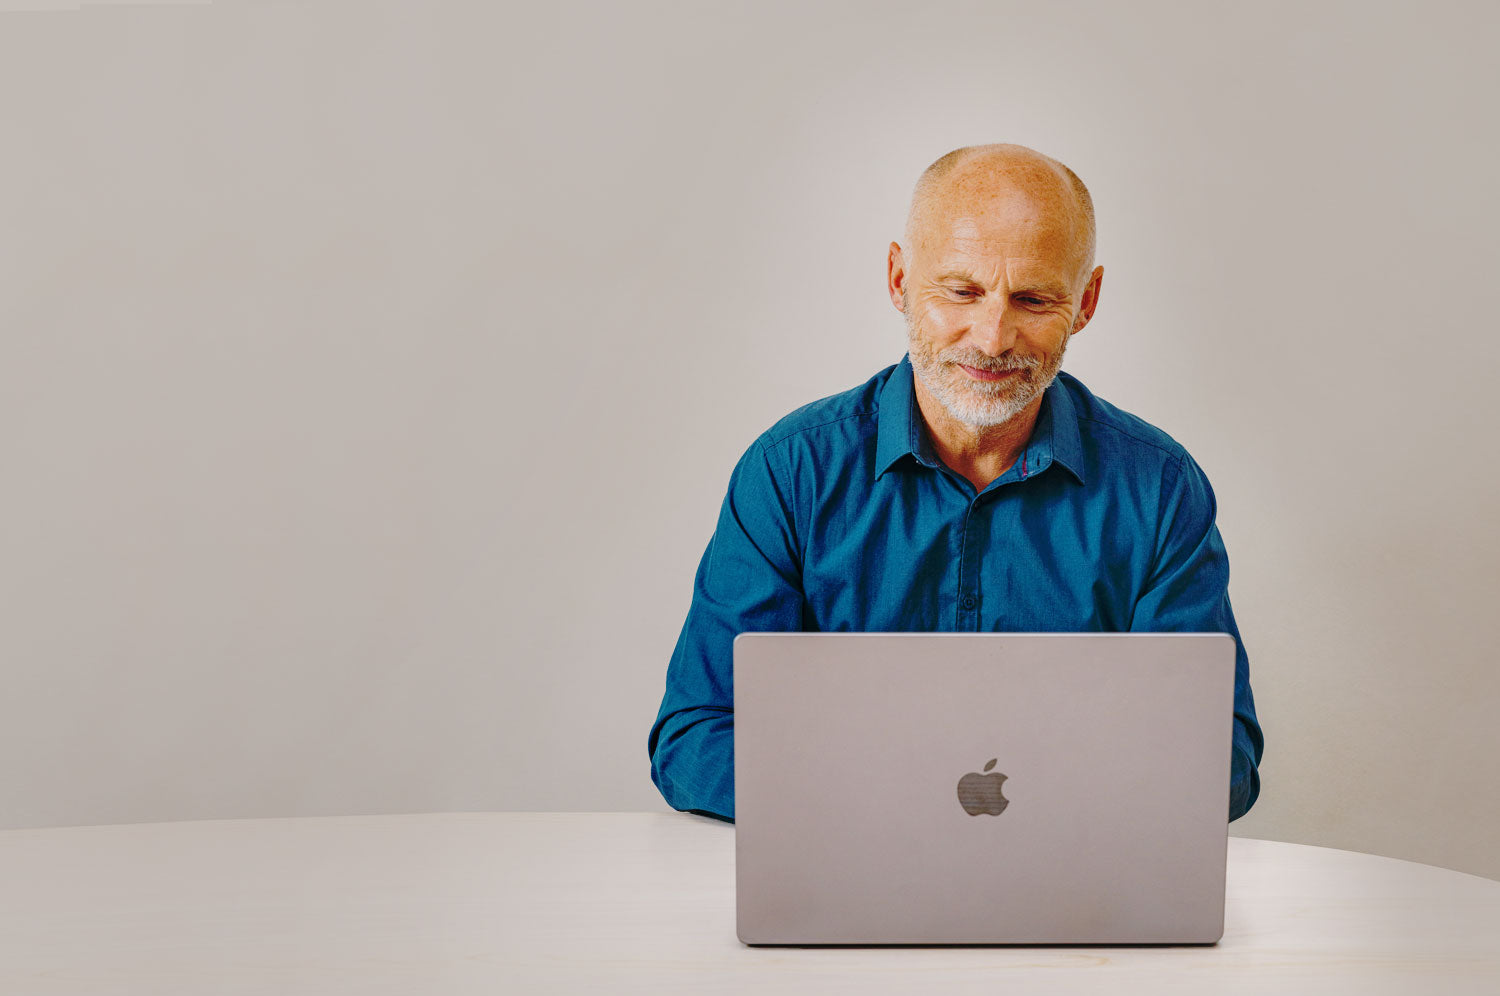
973 539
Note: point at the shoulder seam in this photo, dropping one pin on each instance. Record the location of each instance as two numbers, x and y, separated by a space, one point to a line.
776 440
1175 453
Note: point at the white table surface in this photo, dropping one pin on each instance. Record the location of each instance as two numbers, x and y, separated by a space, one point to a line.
509 903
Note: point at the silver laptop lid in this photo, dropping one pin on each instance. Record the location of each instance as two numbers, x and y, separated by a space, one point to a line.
867 811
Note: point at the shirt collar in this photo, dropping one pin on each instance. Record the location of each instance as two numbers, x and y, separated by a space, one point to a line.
900 430
1067 440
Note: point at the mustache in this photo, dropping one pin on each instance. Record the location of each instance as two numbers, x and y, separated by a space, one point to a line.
991 365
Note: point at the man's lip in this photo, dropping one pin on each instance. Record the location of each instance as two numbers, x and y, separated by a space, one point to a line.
985 374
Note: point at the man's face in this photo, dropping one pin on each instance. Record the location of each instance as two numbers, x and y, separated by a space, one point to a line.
990 301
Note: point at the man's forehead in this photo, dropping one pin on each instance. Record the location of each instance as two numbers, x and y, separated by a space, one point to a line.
974 244
1014 219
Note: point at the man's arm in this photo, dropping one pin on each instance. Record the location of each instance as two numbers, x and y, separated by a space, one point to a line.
749 580
1188 592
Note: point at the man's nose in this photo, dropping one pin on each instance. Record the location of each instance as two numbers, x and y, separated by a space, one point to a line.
994 329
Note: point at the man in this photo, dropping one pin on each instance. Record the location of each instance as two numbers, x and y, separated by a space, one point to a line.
970 487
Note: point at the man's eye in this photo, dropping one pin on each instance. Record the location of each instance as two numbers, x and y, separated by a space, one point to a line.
964 293
1032 300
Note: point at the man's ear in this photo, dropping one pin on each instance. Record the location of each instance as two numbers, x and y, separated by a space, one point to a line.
1090 300
895 275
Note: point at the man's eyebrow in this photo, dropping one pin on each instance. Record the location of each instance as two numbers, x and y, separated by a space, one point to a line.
1047 290
1051 290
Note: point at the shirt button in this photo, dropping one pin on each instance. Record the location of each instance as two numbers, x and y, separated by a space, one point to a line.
968 601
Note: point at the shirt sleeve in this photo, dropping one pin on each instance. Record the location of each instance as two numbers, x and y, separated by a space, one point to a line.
749 580
1188 592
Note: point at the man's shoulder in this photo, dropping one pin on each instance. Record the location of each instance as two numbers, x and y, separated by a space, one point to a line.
1111 428
834 415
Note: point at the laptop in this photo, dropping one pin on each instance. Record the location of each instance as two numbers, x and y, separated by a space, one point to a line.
981 788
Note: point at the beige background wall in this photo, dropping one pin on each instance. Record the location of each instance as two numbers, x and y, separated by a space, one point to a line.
370 374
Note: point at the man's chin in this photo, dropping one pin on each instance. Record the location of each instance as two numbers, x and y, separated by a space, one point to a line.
982 408
980 416
988 392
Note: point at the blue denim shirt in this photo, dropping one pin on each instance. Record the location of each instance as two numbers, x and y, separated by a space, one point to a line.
842 518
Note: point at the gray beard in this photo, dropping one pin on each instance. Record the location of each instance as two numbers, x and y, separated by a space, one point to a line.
975 403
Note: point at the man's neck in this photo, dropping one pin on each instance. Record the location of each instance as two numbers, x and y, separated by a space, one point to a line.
979 455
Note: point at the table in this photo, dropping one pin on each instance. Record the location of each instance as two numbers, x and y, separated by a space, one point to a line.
513 903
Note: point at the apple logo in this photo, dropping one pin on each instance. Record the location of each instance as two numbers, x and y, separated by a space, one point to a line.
981 793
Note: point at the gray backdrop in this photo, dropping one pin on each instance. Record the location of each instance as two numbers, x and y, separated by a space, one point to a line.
371 374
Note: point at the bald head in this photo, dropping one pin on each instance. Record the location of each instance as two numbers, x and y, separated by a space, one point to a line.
961 181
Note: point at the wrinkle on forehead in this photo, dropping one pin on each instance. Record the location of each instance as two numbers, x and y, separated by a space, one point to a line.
1009 233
